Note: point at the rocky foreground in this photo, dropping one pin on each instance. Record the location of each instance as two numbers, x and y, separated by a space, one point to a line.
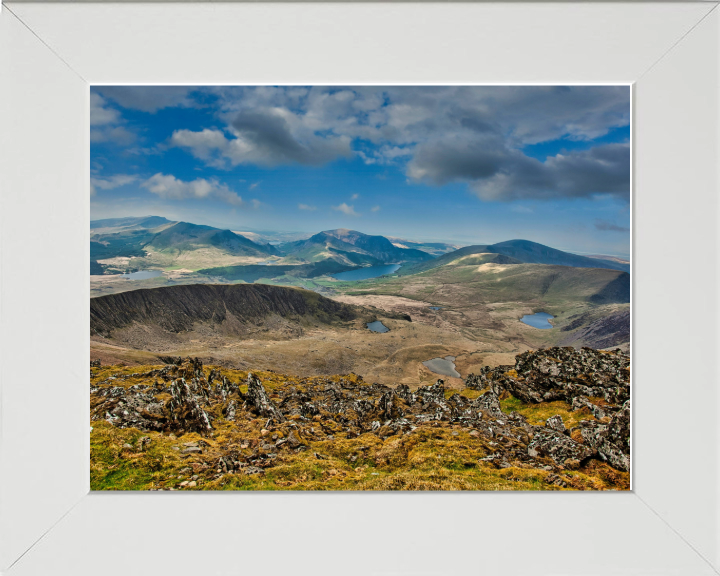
558 419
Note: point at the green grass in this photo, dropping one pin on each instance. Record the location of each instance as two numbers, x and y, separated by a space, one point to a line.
537 414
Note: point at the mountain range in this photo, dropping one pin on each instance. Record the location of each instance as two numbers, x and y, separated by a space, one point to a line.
128 244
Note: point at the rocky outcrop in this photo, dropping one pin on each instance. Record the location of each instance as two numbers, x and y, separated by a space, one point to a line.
259 401
596 381
189 397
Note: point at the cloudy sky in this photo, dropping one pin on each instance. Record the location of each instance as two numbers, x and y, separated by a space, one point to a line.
465 164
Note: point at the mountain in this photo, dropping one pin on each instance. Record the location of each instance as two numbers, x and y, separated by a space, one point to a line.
518 252
534 253
156 242
184 236
352 248
443 260
225 307
527 282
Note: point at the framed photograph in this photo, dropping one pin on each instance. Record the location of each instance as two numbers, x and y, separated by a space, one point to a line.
340 256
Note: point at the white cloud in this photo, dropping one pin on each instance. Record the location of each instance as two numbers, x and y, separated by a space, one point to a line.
253 185
354 196
306 207
111 182
345 209
375 209
100 113
207 144
106 123
170 188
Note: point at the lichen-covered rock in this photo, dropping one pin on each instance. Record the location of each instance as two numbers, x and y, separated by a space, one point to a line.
614 456
556 423
565 373
489 404
184 410
258 399
550 443
618 431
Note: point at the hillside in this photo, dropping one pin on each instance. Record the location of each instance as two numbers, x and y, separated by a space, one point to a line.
534 253
184 236
351 247
485 302
127 244
519 251
450 257
490 282
180 308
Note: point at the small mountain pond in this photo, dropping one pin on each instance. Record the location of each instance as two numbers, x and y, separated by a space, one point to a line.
377 326
538 320
444 366
142 274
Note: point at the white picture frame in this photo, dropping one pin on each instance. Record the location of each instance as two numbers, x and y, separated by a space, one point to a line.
50 53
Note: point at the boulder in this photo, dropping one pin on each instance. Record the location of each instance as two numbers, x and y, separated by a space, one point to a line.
556 423
259 401
549 443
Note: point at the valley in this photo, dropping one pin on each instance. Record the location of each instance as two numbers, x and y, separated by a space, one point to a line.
466 303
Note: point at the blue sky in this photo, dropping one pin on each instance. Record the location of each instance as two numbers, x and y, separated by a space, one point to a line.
468 165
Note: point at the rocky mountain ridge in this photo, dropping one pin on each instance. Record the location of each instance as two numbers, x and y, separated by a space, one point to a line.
179 308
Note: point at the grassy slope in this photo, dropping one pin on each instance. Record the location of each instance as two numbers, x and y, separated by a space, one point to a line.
469 293
489 283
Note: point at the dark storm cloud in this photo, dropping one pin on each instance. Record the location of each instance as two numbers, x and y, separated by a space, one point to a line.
271 138
498 173
147 98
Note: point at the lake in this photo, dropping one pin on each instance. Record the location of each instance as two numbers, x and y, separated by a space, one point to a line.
444 366
436 308
378 326
142 274
538 320
366 273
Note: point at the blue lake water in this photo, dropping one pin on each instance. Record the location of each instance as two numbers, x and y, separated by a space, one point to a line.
366 273
538 320
378 326
435 307
443 366
142 274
